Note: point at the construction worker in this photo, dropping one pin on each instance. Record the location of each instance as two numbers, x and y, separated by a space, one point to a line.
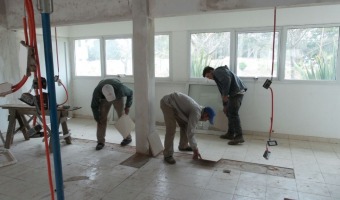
232 90
180 108
108 92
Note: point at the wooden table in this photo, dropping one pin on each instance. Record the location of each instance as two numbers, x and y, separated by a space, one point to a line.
19 112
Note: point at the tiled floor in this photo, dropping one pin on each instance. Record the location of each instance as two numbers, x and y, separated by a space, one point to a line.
90 174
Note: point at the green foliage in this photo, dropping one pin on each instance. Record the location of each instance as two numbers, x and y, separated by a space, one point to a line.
321 67
207 49
313 53
93 50
242 66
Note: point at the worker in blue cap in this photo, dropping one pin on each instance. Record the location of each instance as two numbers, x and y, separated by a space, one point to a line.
180 108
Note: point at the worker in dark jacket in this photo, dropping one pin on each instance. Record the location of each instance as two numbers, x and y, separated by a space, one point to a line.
180 108
232 90
108 92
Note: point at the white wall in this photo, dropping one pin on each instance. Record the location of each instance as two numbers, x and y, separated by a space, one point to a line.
300 108
9 71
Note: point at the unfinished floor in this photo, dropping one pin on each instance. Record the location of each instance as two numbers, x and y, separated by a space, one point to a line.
297 169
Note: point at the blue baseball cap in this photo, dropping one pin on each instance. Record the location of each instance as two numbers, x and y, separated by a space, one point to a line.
211 114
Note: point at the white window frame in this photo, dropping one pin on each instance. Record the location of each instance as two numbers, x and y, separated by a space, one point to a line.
73 55
278 53
283 55
202 80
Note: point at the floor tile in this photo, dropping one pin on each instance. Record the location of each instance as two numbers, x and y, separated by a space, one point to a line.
91 174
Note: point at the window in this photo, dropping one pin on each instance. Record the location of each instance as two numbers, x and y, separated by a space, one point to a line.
162 58
118 56
209 49
311 53
254 54
87 57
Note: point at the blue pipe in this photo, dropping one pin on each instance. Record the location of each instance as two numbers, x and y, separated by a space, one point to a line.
58 171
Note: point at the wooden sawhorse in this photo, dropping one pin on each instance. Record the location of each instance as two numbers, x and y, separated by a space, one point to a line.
18 112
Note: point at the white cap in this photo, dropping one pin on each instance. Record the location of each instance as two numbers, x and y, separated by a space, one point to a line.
109 92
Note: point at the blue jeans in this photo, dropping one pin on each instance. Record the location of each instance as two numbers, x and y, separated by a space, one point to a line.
234 122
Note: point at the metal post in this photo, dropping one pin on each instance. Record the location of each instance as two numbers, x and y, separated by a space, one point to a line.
46 7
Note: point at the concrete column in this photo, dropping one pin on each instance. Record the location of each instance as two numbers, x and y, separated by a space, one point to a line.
144 73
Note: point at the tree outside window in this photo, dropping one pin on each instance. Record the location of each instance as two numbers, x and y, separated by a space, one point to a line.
118 56
162 57
87 57
209 49
311 53
255 53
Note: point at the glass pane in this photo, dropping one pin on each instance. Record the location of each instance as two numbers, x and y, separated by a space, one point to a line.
87 57
162 56
311 53
209 49
254 54
118 56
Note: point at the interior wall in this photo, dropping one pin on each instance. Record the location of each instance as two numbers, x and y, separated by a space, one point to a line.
300 108
9 71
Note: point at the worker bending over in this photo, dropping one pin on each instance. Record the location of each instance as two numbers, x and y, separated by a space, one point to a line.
108 92
180 108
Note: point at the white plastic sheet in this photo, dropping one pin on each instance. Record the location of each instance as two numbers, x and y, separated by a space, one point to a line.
125 125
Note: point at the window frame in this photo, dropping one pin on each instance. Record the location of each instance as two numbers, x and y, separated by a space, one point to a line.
200 80
124 36
73 55
170 77
283 58
259 30
102 39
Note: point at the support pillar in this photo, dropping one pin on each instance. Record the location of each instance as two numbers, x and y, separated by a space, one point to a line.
144 73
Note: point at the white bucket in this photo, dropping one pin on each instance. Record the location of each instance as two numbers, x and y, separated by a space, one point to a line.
125 125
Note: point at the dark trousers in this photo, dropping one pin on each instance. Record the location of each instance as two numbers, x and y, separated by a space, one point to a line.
105 106
234 122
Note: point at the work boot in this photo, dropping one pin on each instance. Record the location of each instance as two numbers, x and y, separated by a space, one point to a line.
126 141
100 146
228 136
237 140
170 160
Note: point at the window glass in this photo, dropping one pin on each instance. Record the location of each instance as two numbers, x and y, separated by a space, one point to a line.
162 58
254 54
87 57
209 49
311 53
118 56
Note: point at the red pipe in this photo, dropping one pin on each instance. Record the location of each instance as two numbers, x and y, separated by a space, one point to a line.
33 43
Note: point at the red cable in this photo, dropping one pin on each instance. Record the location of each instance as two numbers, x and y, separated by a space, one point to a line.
271 90
17 86
25 29
273 54
272 112
56 46
33 42
66 93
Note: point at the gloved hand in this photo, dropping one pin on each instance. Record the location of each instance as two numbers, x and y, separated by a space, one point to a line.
126 110
196 155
